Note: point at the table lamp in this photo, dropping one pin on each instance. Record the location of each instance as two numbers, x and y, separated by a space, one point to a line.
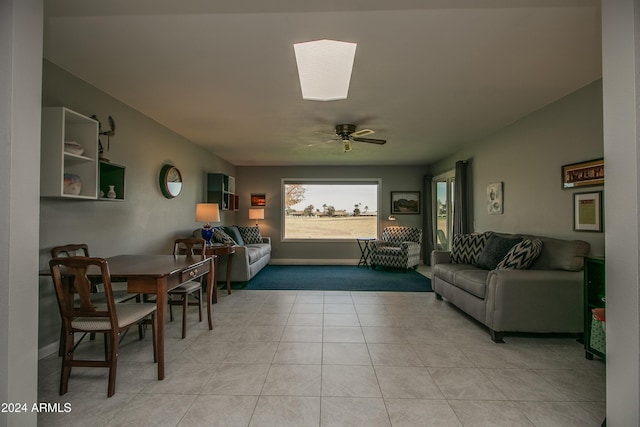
256 214
207 212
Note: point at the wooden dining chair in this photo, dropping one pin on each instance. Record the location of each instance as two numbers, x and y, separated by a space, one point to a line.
120 295
71 279
82 249
191 246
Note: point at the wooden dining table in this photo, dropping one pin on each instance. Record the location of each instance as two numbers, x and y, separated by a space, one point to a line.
158 274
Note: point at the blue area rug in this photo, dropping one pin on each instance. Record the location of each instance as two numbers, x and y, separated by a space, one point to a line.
338 278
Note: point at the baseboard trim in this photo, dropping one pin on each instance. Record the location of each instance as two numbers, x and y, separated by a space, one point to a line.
300 261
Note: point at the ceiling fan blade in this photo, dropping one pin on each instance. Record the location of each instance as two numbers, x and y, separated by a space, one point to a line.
362 132
371 140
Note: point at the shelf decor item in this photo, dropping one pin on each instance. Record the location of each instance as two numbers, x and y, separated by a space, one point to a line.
111 194
72 184
73 147
207 212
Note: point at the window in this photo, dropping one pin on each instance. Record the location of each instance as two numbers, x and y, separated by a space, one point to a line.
330 209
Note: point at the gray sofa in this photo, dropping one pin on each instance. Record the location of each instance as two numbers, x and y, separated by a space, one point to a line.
248 260
252 252
544 297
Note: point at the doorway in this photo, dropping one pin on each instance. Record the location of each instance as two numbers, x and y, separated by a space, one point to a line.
443 210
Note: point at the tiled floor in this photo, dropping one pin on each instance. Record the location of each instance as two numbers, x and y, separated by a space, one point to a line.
293 358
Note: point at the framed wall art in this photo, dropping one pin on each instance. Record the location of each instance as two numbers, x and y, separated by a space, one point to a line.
258 199
583 174
587 211
494 198
405 202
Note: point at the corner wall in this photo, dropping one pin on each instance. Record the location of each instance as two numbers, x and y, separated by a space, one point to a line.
527 157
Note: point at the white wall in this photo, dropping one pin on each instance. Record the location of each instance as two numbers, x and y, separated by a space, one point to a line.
20 77
621 32
145 222
527 157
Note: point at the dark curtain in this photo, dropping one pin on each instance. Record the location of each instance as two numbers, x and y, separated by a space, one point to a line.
427 219
461 205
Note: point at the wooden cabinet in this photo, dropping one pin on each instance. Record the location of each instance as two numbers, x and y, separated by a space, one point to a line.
70 167
594 297
221 189
68 170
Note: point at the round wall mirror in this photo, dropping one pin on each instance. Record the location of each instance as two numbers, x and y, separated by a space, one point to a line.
170 181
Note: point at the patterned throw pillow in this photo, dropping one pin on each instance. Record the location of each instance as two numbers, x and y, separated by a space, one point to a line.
250 234
220 236
522 255
466 248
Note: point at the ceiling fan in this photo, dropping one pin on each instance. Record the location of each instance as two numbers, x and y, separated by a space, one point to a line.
347 133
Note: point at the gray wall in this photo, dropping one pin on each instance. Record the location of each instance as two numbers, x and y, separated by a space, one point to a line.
268 180
145 222
527 157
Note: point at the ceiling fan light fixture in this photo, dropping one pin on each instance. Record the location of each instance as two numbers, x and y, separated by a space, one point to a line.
324 68
347 143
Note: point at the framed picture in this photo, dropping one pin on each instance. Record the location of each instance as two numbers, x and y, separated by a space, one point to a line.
405 202
583 174
258 199
587 211
494 198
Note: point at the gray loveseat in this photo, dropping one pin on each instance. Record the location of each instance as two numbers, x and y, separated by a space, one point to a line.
545 296
252 252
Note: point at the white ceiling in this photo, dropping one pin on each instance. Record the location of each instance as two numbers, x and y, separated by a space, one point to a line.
429 75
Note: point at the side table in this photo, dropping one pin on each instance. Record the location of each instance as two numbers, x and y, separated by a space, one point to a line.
365 250
218 250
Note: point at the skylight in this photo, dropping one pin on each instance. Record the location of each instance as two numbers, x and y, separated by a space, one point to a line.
324 67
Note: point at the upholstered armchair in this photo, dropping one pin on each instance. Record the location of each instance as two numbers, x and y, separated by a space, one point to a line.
398 247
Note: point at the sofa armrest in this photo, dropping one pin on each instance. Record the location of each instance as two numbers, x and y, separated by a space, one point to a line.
440 257
534 300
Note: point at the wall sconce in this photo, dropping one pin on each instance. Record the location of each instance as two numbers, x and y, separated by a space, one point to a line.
207 212
256 214
392 218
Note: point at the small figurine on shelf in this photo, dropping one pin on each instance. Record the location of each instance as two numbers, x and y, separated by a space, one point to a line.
109 133
111 194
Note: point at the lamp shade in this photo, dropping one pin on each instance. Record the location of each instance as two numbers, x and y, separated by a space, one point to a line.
207 212
256 213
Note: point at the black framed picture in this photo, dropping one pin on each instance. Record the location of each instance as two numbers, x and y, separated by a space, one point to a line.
258 199
405 202
583 174
587 211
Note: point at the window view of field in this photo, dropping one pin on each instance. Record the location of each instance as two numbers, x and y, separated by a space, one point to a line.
330 211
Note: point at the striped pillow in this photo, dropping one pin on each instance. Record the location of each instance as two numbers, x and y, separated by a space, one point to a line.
522 255
466 248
